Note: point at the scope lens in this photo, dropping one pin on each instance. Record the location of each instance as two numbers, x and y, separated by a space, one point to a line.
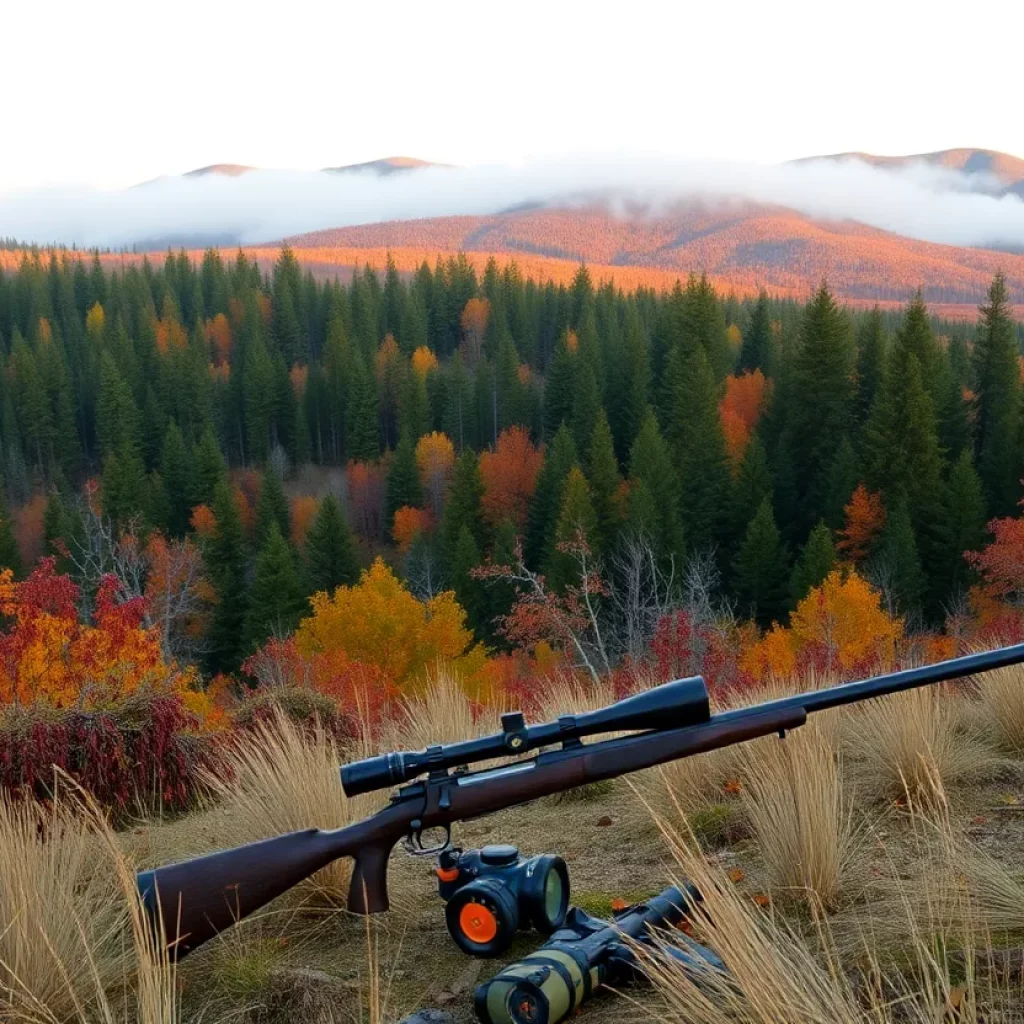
554 895
524 1006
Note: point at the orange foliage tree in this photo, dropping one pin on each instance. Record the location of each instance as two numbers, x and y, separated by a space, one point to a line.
740 409
48 655
474 325
218 334
839 627
864 519
435 457
409 524
304 510
378 622
423 361
509 475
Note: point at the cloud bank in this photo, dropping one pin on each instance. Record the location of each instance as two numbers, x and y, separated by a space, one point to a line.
920 200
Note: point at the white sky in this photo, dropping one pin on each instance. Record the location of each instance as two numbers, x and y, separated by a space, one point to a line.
114 92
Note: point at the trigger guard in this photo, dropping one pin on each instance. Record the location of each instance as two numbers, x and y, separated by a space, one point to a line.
413 843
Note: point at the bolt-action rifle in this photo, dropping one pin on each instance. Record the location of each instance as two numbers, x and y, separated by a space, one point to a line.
199 898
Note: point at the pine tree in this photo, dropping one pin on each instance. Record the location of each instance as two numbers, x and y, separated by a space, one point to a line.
558 388
816 561
871 346
176 474
586 404
464 559
544 508
462 509
10 556
702 324
272 509
362 430
605 481
820 403
276 598
330 549
896 562
117 417
576 524
965 519
761 568
210 469
403 486
124 486
629 394
997 405
753 484
652 476
904 462
758 349
224 557
695 432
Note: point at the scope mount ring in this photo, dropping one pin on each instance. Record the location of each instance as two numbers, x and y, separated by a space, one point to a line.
413 842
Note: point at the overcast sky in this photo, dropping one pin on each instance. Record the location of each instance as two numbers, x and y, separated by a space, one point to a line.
114 92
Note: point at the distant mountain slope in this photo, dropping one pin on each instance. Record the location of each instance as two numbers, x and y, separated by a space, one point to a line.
744 243
386 165
1006 170
229 170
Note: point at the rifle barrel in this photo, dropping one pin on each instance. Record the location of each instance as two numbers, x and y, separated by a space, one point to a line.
892 682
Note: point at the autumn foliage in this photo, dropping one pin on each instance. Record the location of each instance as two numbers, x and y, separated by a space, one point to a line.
740 410
839 627
379 623
509 474
409 523
49 655
864 519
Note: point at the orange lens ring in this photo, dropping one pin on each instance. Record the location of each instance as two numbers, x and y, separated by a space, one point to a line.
448 874
478 923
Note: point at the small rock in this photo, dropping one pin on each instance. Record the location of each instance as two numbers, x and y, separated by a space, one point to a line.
428 1017
605 821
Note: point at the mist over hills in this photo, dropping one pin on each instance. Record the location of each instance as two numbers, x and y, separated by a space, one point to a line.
943 220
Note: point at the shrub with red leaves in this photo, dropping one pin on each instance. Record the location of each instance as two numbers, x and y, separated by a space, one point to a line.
145 753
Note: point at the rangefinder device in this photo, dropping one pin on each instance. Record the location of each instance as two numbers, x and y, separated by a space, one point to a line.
493 892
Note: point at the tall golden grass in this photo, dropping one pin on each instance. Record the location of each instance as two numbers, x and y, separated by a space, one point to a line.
1001 700
904 742
800 815
280 778
76 943
778 975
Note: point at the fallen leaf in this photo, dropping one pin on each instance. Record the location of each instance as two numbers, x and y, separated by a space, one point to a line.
619 904
736 875
605 821
956 998
1010 800
979 820
733 787
762 900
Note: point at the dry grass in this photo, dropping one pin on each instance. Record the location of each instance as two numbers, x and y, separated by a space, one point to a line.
77 943
800 815
280 778
904 742
778 976
442 713
60 905
1001 702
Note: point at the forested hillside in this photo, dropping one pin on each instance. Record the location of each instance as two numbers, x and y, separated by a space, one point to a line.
744 245
492 436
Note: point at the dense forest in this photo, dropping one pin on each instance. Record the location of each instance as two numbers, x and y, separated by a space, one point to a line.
487 432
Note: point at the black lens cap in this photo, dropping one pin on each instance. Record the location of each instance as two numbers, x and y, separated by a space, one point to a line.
499 856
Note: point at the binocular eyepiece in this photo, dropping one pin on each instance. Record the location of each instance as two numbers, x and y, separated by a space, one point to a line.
669 706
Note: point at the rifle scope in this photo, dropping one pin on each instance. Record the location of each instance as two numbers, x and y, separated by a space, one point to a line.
669 706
